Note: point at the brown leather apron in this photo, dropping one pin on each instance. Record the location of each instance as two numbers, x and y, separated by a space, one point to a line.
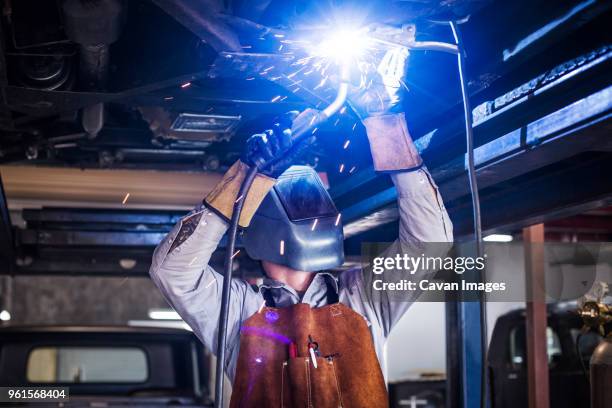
348 373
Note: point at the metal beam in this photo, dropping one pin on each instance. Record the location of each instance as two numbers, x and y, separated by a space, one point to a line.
580 127
201 18
89 238
537 358
561 107
40 102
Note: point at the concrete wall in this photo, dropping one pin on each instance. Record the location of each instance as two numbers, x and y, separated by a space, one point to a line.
79 300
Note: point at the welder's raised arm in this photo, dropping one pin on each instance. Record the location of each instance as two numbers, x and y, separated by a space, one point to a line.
180 266
423 219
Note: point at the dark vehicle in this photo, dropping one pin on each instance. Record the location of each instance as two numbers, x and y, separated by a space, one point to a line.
107 366
568 364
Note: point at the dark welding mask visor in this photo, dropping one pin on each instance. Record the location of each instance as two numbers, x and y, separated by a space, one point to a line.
297 224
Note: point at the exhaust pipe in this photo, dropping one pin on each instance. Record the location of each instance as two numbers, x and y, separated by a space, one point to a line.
94 25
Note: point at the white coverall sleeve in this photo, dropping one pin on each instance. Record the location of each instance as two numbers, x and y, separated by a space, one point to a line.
423 219
180 270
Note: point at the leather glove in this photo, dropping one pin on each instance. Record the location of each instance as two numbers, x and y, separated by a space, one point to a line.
378 102
380 86
278 143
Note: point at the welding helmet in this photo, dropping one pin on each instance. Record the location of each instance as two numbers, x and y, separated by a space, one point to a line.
297 224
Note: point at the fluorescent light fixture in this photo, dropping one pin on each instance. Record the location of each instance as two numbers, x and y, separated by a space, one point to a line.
167 324
498 238
5 316
163 314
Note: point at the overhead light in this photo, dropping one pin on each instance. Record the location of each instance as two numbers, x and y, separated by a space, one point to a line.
127 263
165 324
163 314
5 316
498 238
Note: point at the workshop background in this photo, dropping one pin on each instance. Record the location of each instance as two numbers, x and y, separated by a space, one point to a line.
117 117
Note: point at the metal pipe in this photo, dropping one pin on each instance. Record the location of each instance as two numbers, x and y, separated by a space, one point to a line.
421 45
342 93
473 185
434 46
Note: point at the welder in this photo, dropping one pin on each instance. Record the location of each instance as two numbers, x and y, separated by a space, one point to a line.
305 337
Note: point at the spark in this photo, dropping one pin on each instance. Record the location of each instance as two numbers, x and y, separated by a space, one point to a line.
276 98
125 198
282 247
336 122
235 253
315 130
281 47
341 168
312 120
279 35
343 110
323 81
238 199
250 78
352 169
270 68
346 144
314 224
192 261
212 108
261 307
337 219
186 85
213 280
354 126
247 47
168 98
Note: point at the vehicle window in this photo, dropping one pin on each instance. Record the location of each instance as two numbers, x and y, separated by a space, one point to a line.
87 365
518 346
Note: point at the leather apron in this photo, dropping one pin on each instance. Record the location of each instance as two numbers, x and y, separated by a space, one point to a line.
268 374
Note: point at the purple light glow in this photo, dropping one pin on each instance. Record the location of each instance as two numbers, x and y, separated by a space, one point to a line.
271 316
264 332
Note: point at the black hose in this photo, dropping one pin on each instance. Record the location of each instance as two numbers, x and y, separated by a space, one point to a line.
579 353
469 133
227 283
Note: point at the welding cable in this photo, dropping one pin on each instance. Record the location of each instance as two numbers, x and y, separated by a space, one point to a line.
473 184
227 277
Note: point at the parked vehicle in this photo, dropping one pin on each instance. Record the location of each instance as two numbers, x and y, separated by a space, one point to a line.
568 364
107 366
